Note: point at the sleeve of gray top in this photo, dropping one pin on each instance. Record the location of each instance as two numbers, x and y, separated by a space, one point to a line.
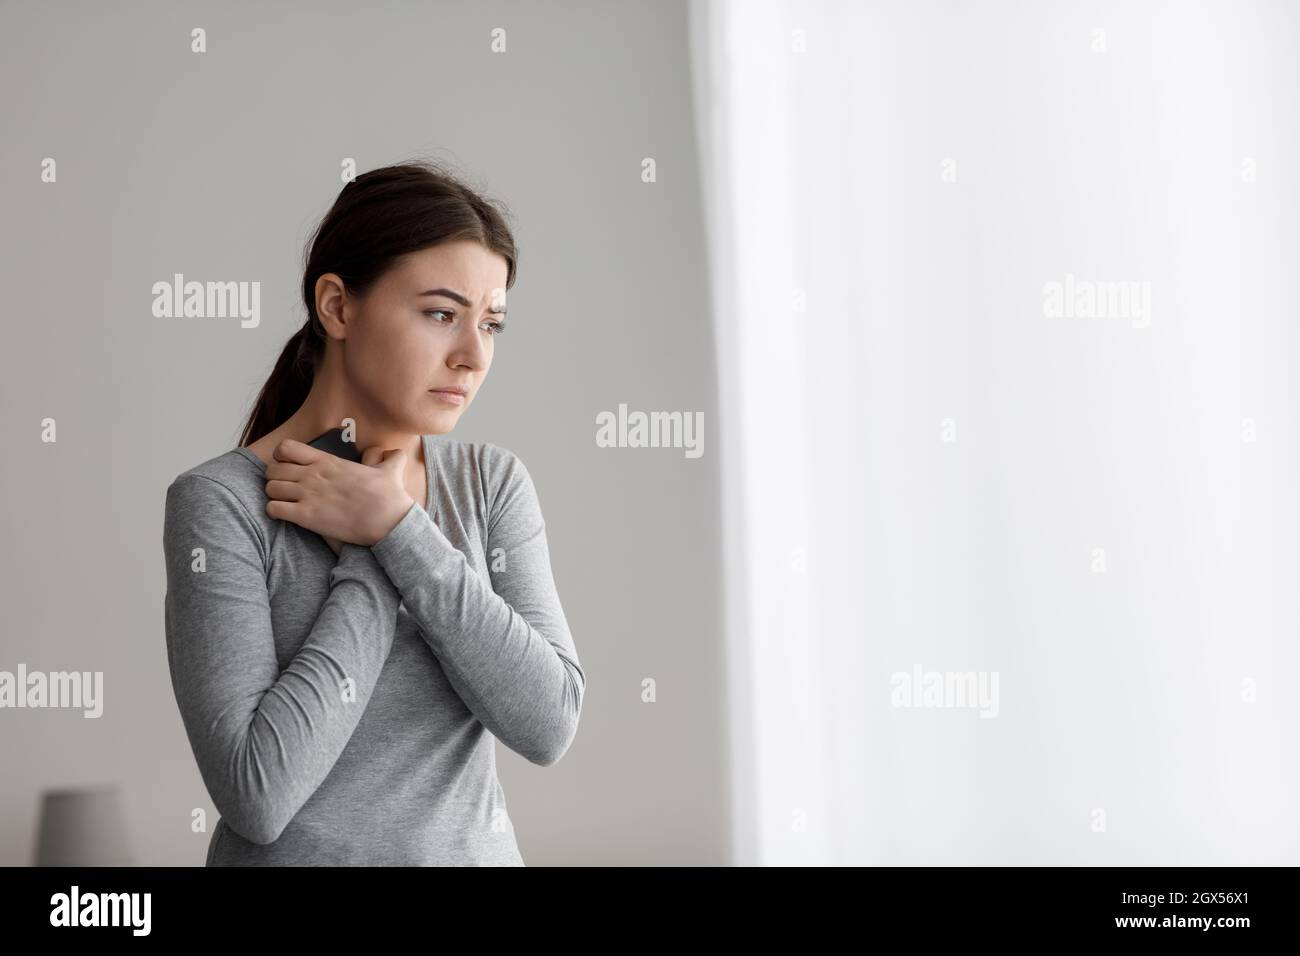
504 644
264 739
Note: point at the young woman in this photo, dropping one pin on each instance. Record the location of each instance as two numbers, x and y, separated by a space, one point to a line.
347 638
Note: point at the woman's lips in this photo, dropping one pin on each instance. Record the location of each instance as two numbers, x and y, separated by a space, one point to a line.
453 398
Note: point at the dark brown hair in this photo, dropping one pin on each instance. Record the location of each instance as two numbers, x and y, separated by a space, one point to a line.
379 216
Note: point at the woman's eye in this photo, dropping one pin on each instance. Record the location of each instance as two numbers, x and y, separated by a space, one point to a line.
496 328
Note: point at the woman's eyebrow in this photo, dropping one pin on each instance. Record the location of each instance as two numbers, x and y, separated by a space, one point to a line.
501 310
448 293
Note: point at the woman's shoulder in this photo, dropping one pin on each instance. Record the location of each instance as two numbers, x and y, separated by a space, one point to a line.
233 483
476 469
237 469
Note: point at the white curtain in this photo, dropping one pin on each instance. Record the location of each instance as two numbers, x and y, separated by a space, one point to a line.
1005 339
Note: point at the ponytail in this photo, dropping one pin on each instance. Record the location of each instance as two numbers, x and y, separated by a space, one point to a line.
289 384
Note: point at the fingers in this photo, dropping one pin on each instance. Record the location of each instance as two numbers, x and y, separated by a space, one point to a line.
379 456
286 471
291 450
284 490
283 510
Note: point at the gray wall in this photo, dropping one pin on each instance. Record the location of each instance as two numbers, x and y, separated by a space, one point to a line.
218 165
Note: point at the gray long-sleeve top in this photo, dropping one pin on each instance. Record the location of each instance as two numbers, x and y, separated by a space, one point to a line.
343 710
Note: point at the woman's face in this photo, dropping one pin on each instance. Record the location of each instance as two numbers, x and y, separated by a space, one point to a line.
429 323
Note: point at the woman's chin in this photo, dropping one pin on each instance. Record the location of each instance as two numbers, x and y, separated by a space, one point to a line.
439 423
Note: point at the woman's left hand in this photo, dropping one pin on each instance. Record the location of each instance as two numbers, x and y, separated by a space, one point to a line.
350 502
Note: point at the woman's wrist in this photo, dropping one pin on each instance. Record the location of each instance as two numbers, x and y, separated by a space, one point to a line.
391 517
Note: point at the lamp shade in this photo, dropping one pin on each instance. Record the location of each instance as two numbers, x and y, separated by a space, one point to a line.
82 827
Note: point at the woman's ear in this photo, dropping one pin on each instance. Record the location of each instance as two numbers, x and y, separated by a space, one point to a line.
331 302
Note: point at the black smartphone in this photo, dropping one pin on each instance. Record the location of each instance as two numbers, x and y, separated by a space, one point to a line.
332 442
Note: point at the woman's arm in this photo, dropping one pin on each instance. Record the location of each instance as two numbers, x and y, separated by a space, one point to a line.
264 739
504 645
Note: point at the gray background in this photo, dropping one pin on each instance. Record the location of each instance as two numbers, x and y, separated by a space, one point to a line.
218 165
